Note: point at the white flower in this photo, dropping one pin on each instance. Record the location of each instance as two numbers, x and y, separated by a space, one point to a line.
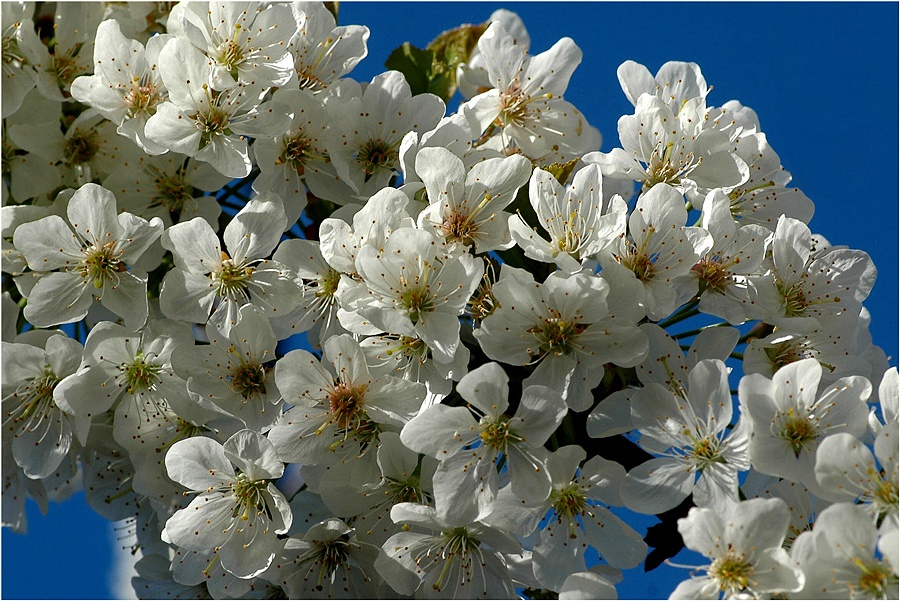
689 429
675 82
298 157
847 470
236 513
790 419
235 372
73 34
244 42
328 562
207 124
803 289
42 433
337 412
576 518
416 290
525 111
839 558
369 126
743 540
458 560
721 271
131 372
169 187
572 324
661 146
466 206
580 222
18 76
126 86
657 250
322 51
205 275
93 260
469 441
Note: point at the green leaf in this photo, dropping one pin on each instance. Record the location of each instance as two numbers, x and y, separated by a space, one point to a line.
415 64
450 49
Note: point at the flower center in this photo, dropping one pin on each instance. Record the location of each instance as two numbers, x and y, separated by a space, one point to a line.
731 572
231 278
13 57
330 555
460 227
230 54
514 106
798 431
308 80
458 544
794 299
296 152
81 147
495 434
171 192
140 374
249 496
36 401
713 275
568 503
101 263
65 68
142 96
636 258
706 452
664 168
328 284
248 379
558 336
875 579
346 404
377 154
416 300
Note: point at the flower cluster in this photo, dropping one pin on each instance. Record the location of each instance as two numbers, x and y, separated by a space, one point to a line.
472 336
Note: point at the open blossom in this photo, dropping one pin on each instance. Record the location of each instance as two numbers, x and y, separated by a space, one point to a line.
525 111
339 405
414 289
92 258
467 207
839 557
468 441
322 51
790 418
244 43
579 220
675 82
569 323
457 559
658 249
369 127
806 289
689 429
577 517
237 512
205 123
42 433
209 284
126 86
743 541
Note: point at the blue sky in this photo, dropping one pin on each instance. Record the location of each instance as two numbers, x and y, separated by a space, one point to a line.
821 76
